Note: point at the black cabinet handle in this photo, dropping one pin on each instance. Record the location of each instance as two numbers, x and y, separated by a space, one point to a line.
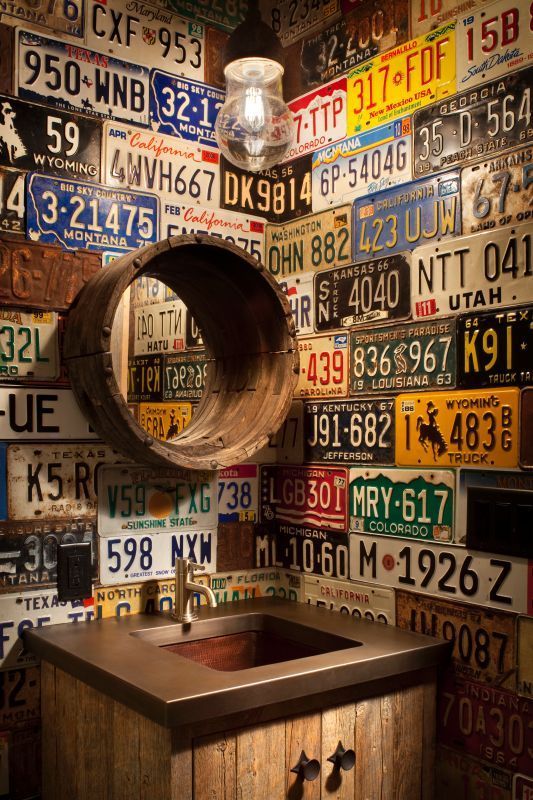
342 759
307 769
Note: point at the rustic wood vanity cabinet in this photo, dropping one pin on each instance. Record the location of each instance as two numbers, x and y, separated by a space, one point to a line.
95 748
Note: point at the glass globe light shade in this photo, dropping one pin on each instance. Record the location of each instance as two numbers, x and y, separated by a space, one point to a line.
254 128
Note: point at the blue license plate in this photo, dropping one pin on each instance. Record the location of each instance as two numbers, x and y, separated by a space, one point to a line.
88 215
399 219
184 107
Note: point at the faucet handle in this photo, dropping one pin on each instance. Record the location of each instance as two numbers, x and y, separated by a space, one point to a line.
194 566
185 565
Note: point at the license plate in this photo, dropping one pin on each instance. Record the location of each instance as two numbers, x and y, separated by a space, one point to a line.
148 291
6 63
313 242
409 504
35 137
20 699
254 583
12 200
522 787
184 377
28 551
459 775
52 481
359 600
393 85
429 14
159 328
145 379
183 107
235 546
164 421
286 446
152 162
483 639
134 598
126 559
300 294
215 12
160 39
498 192
457 429
355 431
141 498
352 38
492 43
292 20
323 366
43 414
373 291
327 556
28 345
526 424
476 272
486 722
78 214
370 161
320 117
240 229
473 124
400 219
403 357
456 572
524 656
34 275
238 493
495 349
21 611
279 194
313 495
70 77
64 17
470 480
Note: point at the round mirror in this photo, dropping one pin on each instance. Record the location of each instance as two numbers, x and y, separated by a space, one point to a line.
183 353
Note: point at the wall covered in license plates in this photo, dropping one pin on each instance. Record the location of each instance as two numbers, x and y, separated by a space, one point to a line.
400 226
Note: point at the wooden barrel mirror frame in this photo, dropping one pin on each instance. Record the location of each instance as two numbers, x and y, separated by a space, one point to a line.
249 335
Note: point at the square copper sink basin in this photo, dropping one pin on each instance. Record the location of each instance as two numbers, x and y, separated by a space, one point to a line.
230 644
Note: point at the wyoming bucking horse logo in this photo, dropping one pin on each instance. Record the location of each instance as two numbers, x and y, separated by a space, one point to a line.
429 433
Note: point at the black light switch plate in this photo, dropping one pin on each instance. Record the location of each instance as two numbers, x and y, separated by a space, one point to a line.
74 571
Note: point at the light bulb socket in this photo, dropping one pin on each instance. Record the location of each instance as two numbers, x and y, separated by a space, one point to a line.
253 38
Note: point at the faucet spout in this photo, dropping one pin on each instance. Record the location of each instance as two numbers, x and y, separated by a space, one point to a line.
206 591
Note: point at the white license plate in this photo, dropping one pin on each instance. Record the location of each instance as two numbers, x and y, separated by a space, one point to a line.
160 328
170 167
76 79
286 446
454 573
429 14
126 559
492 42
43 414
21 611
319 117
360 600
473 273
238 493
240 229
142 33
28 345
141 499
54 481
367 162
323 366
300 294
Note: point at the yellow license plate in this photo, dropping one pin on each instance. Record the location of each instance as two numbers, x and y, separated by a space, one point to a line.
458 429
398 82
164 421
323 366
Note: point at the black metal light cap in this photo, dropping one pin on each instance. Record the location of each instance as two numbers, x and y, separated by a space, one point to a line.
253 37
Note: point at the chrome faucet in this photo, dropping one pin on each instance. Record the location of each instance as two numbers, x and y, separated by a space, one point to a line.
185 589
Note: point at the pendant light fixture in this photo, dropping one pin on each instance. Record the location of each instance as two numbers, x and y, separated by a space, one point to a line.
254 128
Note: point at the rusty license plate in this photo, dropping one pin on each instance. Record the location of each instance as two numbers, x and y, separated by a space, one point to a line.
526 427
313 495
164 421
6 60
310 243
475 429
498 192
286 446
524 656
350 431
235 546
292 20
483 639
326 555
466 778
20 697
359 600
323 366
492 724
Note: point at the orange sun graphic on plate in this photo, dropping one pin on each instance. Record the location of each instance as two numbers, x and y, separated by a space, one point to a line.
397 78
160 504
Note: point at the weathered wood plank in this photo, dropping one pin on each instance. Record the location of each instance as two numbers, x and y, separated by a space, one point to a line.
67 709
260 762
215 767
338 724
408 731
125 744
373 749
302 733
49 745
181 767
429 740
155 760
93 718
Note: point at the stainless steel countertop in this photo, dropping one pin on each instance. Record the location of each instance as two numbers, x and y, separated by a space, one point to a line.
116 657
